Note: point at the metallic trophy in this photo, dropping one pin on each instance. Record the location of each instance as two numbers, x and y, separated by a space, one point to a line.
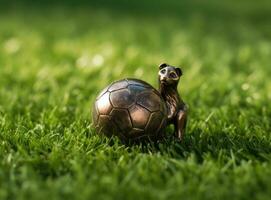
135 111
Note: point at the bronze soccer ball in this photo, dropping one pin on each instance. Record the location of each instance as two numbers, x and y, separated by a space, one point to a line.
130 109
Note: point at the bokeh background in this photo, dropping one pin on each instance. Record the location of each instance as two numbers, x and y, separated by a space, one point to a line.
55 57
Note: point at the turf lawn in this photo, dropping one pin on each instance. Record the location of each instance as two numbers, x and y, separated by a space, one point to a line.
55 59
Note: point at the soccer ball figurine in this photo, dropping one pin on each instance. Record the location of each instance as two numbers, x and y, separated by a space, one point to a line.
135 111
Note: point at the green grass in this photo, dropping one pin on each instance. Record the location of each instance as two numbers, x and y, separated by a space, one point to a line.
54 61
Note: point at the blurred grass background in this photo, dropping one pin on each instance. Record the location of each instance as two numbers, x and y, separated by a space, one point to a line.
55 57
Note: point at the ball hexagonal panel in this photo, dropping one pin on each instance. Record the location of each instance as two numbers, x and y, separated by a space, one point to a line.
162 126
122 98
122 119
149 100
136 132
103 104
163 107
136 89
102 92
95 114
139 116
106 125
154 123
118 85
138 82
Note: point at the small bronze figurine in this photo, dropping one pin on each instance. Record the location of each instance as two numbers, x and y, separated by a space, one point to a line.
134 111
169 77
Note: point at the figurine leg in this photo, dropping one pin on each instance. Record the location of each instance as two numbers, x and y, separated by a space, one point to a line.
180 124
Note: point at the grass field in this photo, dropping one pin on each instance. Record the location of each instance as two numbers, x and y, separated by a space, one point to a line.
54 61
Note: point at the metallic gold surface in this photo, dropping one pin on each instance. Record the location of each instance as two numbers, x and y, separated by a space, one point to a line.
139 116
133 110
123 98
130 109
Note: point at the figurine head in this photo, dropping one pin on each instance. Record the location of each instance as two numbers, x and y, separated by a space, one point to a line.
169 75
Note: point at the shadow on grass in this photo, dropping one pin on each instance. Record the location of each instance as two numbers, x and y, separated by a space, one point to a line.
218 146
